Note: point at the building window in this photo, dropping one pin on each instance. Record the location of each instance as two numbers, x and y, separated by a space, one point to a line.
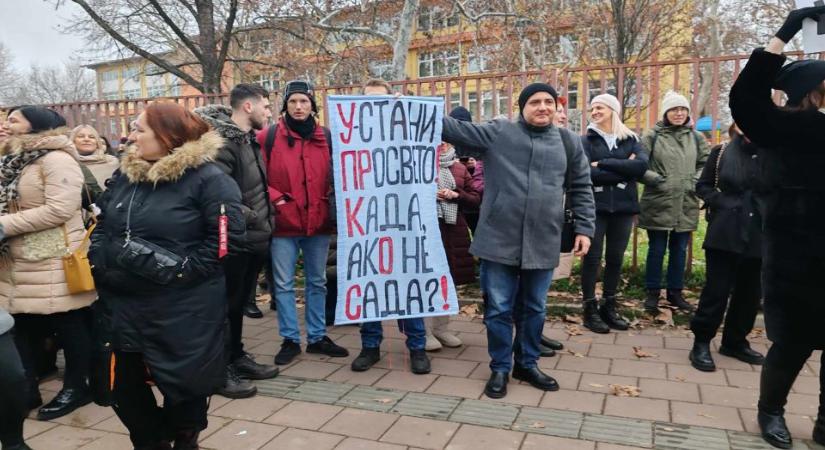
435 19
269 81
477 60
573 94
114 128
131 93
131 72
569 45
438 64
381 69
156 91
262 47
109 75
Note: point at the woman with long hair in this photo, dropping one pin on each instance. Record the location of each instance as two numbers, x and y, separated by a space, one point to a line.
40 220
92 152
617 161
168 217
792 144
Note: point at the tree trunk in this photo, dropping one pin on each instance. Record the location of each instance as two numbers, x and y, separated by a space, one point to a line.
714 49
406 25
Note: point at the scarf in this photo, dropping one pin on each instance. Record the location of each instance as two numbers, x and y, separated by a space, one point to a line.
11 166
304 128
610 139
447 210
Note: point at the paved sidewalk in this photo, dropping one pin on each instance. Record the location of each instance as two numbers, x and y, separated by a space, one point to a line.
319 403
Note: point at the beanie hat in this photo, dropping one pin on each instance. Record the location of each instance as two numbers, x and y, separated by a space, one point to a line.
531 90
799 78
299 87
609 101
674 100
41 118
461 113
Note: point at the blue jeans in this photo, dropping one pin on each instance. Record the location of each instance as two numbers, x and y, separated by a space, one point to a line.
284 257
674 242
513 296
372 333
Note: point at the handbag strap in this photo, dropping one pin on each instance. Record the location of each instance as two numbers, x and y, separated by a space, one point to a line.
86 237
718 162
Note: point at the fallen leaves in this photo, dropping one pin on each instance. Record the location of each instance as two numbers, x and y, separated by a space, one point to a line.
569 318
665 317
573 330
707 416
682 379
622 390
576 354
470 311
643 354
537 425
596 385
383 400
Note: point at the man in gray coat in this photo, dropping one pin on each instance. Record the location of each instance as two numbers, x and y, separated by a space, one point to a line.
520 226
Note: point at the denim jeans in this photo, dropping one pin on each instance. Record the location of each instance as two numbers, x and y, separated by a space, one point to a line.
284 257
674 242
372 333
513 296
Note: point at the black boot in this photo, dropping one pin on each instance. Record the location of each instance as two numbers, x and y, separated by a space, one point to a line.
609 315
592 320
235 387
34 399
251 310
162 445
22 446
66 401
536 378
743 353
186 440
546 352
674 297
419 362
652 301
819 430
700 357
774 386
551 343
366 359
496 386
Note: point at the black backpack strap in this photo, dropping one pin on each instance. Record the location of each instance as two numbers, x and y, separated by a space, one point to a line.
328 136
270 141
567 142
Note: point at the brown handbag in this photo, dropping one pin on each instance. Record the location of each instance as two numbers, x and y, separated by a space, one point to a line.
76 264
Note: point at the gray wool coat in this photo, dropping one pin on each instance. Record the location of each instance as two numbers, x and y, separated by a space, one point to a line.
522 212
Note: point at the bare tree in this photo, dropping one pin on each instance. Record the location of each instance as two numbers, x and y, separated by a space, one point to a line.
190 39
54 84
8 77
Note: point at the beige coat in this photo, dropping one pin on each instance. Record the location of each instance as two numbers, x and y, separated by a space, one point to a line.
101 164
48 187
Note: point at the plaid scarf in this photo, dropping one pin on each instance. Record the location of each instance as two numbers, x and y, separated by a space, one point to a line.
11 166
447 210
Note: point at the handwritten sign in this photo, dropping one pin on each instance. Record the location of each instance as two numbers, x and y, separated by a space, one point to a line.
391 262
813 32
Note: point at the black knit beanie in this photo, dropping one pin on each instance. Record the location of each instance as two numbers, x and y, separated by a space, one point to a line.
41 118
461 113
799 78
532 89
299 87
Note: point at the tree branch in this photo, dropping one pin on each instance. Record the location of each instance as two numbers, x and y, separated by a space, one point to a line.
184 38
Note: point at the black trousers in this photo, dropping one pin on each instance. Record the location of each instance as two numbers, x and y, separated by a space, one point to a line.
73 331
790 358
733 276
13 393
611 237
241 280
136 407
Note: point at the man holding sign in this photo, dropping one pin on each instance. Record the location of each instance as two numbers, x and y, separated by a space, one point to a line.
528 165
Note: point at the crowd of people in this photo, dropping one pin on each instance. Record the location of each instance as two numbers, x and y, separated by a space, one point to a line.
181 224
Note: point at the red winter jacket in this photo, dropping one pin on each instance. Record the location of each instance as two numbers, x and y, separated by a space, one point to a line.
300 175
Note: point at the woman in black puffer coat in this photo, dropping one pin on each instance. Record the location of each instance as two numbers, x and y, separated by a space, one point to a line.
156 255
792 155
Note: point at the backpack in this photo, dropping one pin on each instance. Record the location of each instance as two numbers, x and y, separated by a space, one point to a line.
273 130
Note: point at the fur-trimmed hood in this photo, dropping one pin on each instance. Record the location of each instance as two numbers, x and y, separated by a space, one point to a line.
171 167
219 117
56 139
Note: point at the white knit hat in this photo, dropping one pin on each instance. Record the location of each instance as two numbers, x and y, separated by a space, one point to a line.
674 100
609 101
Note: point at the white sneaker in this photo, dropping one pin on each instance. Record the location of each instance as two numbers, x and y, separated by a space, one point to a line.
448 339
432 344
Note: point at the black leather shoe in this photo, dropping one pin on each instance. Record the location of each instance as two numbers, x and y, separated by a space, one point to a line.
536 378
66 401
774 429
497 385
674 297
819 430
247 367
546 352
592 319
745 354
252 311
552 343
326 347
289 350
652 301
235 387
186 440
609 315
419 362
366 359
700 357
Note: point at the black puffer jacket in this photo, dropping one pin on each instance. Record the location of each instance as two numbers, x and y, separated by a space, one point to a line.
614 179
734 223
241 159
177 324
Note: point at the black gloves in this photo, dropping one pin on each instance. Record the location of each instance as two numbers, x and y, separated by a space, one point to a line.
793 23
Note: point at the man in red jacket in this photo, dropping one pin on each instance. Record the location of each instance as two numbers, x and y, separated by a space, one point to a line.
297 154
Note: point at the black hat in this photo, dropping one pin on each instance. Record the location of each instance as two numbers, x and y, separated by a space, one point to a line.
41 118
461 113
799 78
299 87
532 89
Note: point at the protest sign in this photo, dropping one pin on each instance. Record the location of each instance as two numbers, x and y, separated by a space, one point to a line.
813 32
391 262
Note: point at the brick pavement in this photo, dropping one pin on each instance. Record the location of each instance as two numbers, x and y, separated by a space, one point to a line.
319 403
